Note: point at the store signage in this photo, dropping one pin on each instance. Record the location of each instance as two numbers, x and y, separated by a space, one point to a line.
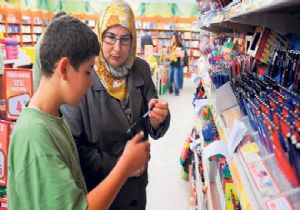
4 140
18 89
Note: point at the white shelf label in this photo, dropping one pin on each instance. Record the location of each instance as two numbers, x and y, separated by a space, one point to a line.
227 149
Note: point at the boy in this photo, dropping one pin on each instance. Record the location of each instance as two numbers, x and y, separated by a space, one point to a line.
44 171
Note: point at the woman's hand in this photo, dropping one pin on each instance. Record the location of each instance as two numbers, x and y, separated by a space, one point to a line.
159 112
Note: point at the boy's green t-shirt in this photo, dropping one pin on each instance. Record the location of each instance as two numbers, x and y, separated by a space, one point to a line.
44 171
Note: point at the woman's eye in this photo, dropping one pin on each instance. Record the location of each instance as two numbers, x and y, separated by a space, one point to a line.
111 37
127 39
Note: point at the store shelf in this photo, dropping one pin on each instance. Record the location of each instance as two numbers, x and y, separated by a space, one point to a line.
228 26
21 21
260 6
273 14
255 193
259 181
211 187
219 188
9 61
199 186
243 185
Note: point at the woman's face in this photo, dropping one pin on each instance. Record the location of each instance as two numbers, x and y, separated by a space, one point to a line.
116 45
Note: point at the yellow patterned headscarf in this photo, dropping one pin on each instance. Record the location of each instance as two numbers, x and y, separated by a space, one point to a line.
118 12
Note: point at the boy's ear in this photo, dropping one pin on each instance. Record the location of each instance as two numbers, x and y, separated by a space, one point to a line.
62 67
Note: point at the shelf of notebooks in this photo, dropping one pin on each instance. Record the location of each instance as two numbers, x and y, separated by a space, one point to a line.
24 24
89 19
257 177
27 25
162 28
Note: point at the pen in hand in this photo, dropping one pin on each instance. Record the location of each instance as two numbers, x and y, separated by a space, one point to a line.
136 122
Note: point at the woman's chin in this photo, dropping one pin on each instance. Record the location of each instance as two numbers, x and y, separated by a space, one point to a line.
115 64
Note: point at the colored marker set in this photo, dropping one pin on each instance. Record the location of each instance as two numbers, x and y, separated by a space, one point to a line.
273 111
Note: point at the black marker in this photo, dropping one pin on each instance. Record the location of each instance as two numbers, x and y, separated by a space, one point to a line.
136 122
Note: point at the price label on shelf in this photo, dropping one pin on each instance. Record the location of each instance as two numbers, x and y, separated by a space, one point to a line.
263 179
16 103
18 90
251 148
279 203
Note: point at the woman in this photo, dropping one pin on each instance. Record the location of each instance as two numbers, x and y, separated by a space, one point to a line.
176 54
121 93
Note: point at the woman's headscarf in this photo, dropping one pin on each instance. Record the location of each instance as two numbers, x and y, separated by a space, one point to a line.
118 12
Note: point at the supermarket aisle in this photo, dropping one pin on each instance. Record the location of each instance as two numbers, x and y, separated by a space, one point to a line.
166 189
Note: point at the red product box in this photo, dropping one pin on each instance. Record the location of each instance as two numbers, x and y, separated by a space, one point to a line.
4 142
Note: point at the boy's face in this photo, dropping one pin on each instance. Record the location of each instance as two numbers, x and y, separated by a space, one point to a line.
79 81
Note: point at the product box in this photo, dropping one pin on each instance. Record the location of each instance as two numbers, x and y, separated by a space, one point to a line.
4 141
264 43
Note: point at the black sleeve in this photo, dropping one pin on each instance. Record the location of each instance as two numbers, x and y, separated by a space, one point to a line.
149 92
95 163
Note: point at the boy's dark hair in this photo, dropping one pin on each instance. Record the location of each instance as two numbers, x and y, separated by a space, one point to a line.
67 36
59 14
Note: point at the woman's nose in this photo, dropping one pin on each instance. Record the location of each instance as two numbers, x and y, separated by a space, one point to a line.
117 45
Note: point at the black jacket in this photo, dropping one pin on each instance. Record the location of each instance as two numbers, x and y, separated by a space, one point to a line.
99 127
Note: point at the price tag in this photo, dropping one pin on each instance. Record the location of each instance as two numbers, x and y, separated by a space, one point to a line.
251 148
18 90
16 104
279 203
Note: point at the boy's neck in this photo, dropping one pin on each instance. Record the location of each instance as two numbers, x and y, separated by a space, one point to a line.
47 98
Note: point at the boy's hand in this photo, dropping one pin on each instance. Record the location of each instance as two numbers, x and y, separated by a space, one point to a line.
136 154
159 113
